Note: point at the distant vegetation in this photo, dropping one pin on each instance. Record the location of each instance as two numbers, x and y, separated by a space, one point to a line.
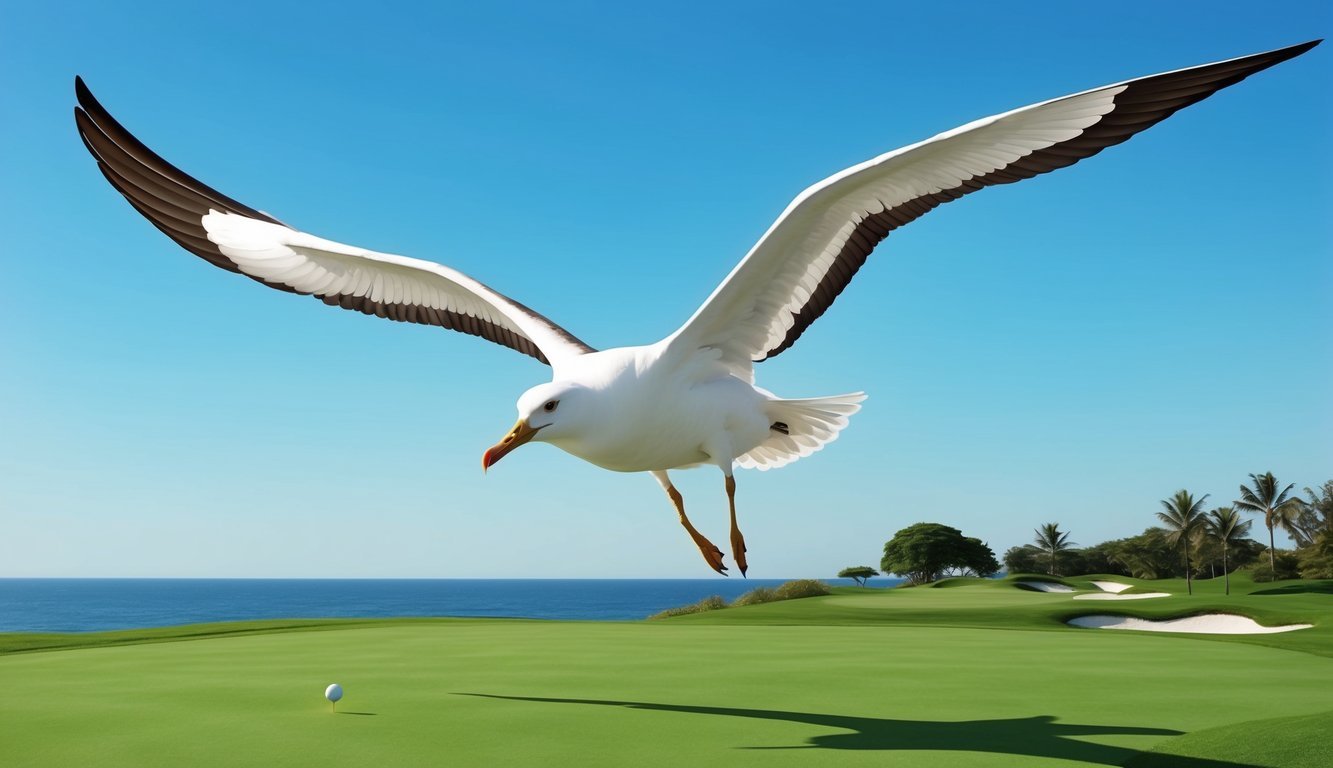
1192 543
790 590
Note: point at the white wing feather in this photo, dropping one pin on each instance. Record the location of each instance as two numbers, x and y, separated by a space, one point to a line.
308 264
754 307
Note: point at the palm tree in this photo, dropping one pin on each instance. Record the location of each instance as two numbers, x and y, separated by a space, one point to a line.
1321 505
1224 525
1276 507
1052 541
1184 519
1312 518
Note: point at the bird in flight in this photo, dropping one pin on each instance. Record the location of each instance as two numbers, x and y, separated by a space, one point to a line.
689 399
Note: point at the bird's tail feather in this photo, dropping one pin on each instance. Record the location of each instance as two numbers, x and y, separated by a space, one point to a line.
801 427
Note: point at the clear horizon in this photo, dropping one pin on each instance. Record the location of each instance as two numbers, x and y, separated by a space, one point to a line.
1071 348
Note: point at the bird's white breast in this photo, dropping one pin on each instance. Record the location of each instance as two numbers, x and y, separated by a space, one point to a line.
650 417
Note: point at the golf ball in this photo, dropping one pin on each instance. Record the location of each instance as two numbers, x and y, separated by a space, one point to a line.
333 692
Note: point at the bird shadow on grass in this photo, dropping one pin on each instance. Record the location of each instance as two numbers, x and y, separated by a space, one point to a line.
1040 736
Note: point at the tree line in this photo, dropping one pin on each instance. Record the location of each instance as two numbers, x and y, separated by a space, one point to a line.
1197 543
1189 540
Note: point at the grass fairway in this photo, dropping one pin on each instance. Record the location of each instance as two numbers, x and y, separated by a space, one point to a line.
982 674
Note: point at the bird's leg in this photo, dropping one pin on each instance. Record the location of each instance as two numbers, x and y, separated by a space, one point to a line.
737 540
712 555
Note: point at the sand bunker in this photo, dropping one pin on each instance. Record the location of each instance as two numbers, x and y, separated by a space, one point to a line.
1207 624
1045 586
1111 586
1109 596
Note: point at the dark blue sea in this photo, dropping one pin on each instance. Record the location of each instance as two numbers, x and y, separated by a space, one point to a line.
84 605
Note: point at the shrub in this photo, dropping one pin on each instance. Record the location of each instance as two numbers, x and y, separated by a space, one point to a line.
711 603
1288 567
757 596
802 588
1317 560
791 590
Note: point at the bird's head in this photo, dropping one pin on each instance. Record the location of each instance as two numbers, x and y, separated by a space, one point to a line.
546 413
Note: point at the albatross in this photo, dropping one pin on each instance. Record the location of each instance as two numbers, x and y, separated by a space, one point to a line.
689 399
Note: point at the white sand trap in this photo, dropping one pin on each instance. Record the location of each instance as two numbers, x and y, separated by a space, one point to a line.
1045 586
1109 596
1111 586
1207 624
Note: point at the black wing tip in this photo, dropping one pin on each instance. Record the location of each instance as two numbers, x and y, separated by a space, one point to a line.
85 95
94 109
1291 51
82 95
91 111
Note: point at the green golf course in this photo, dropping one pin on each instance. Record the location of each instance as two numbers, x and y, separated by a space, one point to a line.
963 673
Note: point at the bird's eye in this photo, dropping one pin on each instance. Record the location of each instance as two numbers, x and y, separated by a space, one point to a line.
550 406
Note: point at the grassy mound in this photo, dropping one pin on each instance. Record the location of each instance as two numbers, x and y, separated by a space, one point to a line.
1285 742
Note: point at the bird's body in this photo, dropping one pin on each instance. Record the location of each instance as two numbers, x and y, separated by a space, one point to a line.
691 413
636 395
689 399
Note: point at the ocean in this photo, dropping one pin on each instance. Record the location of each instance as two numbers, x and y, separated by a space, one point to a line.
85 605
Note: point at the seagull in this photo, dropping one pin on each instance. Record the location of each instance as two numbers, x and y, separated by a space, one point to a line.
689 399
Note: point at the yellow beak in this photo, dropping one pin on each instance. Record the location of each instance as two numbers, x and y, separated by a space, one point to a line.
520 434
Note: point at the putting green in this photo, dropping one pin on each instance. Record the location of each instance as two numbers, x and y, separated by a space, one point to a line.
680 692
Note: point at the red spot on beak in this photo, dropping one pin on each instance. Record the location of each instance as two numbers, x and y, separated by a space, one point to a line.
520 434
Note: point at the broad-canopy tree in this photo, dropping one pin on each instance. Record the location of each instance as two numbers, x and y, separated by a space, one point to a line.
1051 540
1183 517
926 551
858 572
1023 558
1226 528
1277 507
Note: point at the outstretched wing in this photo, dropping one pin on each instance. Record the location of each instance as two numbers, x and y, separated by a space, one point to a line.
809 255
238 238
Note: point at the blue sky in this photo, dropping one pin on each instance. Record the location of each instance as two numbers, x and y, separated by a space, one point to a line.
1073 348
